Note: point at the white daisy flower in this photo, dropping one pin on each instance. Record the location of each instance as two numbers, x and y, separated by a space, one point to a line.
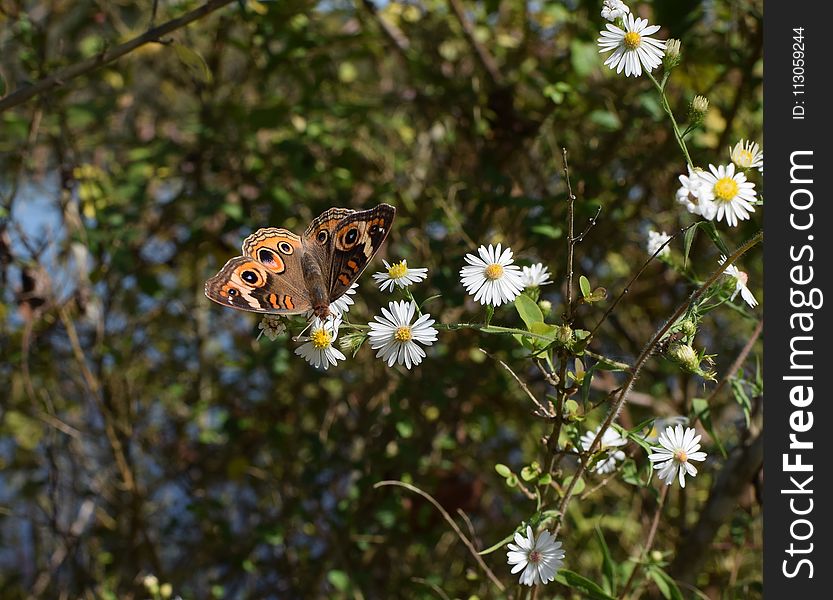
399 274
741 278
614 9
690 196
632 49
271 326
729 191
539 559
676 448
319 350
610 439
396 339
492 277
747 155
535 276
655 240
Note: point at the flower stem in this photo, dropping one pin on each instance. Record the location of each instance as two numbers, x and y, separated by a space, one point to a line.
667 108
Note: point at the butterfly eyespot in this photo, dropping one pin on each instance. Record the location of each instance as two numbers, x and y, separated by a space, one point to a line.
285 247
232 292
248 277
351 236
266 255
322 236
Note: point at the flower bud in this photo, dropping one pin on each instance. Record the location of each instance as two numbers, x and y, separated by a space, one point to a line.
672 54
545 306
351 342
697 109
684 355
688 328
564 335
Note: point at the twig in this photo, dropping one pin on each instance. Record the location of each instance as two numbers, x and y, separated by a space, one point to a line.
394 34
543 410
59 78
571 243
452 523
437 589
486 59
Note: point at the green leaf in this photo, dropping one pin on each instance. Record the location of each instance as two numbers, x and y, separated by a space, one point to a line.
702 412
194 61
528 310
503 470
608 566
339 580
711 230
667 586
589 589
597 295
554 233
584 284
579 485
688 240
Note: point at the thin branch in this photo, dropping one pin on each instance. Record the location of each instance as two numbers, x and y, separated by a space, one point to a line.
486 59
571 244
21 95
393 33
541 408
452 523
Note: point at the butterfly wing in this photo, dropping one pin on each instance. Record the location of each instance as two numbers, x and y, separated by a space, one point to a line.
246 284
354 241
268 278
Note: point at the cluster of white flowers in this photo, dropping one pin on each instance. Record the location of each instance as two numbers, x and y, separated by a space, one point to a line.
655 242
492 277
610 440
717 194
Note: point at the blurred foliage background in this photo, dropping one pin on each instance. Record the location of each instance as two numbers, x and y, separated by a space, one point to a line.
144 430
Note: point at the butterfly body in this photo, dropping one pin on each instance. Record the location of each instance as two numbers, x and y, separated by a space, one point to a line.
283 273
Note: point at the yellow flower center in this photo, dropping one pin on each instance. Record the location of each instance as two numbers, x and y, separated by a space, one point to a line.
320 339
397 270
632 40
743 158
681 456
494 271
725 189
403 334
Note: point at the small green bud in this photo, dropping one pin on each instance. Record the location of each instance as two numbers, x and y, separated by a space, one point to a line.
688 328
672 54
697 109
684 355
564 335
545 306
351 342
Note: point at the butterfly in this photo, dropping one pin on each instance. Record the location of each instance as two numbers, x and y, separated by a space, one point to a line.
285 274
